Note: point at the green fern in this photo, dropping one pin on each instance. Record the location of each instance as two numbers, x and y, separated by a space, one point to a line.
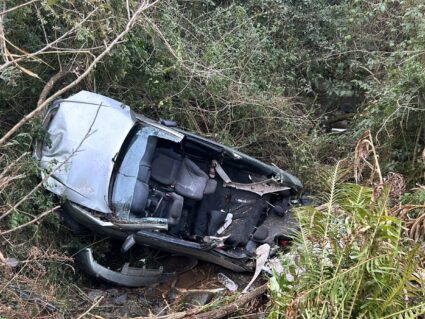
347 260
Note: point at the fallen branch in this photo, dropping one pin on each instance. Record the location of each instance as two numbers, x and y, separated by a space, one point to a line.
144 6
234 306
222 312
49 85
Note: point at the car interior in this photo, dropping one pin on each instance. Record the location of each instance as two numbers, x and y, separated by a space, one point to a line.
178 182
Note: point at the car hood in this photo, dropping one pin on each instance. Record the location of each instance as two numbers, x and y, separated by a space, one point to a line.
85 134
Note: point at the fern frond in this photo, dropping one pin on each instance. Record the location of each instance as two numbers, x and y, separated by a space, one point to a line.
352 259
411 312
398 286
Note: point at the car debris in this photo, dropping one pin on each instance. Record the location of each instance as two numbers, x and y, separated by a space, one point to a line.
151 183
262 253
266 186
273 266
32 297
131 276
227 282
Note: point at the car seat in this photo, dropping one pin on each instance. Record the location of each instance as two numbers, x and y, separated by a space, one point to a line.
188 180
141 189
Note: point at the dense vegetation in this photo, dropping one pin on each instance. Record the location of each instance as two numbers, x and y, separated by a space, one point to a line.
270 77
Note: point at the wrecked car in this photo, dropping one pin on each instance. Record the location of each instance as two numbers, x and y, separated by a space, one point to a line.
150 183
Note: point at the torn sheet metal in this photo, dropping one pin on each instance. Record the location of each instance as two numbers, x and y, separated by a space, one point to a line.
261 188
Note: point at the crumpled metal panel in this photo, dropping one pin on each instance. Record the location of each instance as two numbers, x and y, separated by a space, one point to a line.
86 133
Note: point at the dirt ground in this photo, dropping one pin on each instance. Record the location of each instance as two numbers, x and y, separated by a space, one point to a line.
197 287
83 297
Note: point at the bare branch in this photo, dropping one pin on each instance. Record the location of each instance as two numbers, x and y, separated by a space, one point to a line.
5 181
144 6
94 305
31 221
226 310
222 312
18 7
49 85
48 46
2 38
9 167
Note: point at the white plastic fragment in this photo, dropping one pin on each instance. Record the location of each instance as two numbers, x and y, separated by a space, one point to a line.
273 266
262 252
227 223
227 282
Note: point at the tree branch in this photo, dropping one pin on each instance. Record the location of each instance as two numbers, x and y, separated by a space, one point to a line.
222 312
49 85
226 310
17 7
2 38
48 46
144 6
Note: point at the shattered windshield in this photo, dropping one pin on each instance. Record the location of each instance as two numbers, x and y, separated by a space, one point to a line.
126 175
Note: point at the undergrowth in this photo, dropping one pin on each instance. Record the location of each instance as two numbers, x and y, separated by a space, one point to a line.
350 259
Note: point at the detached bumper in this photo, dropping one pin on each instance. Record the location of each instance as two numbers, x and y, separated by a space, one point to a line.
129 276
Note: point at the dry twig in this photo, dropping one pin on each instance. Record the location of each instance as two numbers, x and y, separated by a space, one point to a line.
31 221
95 303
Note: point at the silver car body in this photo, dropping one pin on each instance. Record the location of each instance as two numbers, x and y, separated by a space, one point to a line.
85 135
